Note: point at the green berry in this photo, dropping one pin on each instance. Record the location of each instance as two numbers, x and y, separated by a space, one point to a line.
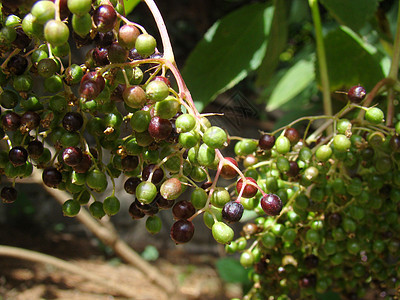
323 153
341 143
82 24
153 224
215 137
43 11
71 208
145 44
247 259
185 123
199 198
96 180
56 32
222 233
96 209
220 197
146 192
282 144
374 115
79 7
167 108
111 205
157 90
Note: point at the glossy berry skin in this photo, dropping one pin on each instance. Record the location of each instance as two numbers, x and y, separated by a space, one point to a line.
127 35
72 156
35 148
135 212
182 231
72 121
266 142
249 190
129 163
131 184
18 156
271 204
227 171
105 17
56 32
30 120
8 194
84 165
11 121
232 211
159 129
293 135
158 173
51 177
183 210
356 94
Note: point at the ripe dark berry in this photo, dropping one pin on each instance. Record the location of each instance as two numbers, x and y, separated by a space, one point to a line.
266 142
183 210
159 129
30 120
163 203
334 219
249 190
104 39
35 148
51 177
227 171
356 94
271 204
17 64
22 41
308 281
232 211
100 56
149 209
294 169
135 212
72 156
293 135
182 231
104 17
8 194
72 121
131 184
311 261
117 53
18 156
84 165
11 121
129 163
158 173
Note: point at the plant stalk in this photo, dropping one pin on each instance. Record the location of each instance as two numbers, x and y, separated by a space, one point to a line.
321 56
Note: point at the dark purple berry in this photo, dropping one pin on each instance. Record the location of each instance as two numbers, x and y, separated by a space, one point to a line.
8 194
249 189
148 209
266 142
17 64
72 156
293 135
334 219
104 39
135 212
164 203
105 17
51 177
271 204
84 165
72 121
22 41
11 121
182 231
356 94
158 173
130 185
232 211
227 171
35 148
100 56
159 129
311 261
30 120
293 170
129 163
18 156
183 210
117 53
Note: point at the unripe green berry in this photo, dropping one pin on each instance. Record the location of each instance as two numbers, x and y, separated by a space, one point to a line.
215 137
282 144
157 90
56 32
145 44
79 7
374 115
222 233
71 208
323 153
341 143
185 123
96 209
153 224
43 11
111 205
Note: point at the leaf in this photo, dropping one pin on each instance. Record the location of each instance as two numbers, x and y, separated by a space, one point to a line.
352 13
351 60
230 270
276 43
231 48
130 5
296 79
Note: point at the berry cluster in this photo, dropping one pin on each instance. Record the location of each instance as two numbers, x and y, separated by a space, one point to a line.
323 204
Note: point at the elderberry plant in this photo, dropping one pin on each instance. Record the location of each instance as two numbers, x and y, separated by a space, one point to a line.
325 200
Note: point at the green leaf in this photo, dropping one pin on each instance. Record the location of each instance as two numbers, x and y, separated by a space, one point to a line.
130 5
230 270
295 80
352 13
351 60
231 48
276 43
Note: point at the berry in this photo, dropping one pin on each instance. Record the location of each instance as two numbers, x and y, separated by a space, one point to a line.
341 143
134 96
374 115
145 44
96 180
249 190
153 224
105 18
51 177
293 135
127 35
72 121
79 7
111 205
182 231
266 142
271 204
71 208
282 144
222 233
185 123
323 153
117 53
157 173
56 32
18 156
183 210
171 188
30 120
17 64
215 137
227 171
159 129
157 90
11 121
35 149
232 211
81 24
146 192
72 156
8 194
135 212
97 210
84 165
356 94
43 11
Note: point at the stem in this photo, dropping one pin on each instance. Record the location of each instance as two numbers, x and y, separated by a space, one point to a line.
323 69
394 67
167 47
64 265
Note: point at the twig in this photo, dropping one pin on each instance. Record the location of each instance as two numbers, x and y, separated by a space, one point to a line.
64 265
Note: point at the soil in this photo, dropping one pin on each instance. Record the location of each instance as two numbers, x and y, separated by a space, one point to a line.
194 275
